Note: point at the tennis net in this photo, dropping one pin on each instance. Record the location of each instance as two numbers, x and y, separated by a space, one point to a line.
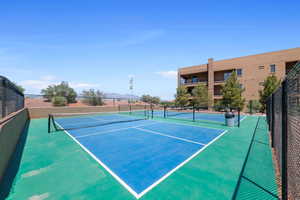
179 111
71 121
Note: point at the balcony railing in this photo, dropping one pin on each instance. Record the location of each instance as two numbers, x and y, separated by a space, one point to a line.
217 94
219 81
189 82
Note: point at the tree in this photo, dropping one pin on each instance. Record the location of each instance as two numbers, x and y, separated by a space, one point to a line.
232 93
20 88
61 90
150 99
182 96
155 100
254 106
270 85
201 97
92 97
146 98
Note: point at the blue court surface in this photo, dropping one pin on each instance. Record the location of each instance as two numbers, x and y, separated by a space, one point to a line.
140 154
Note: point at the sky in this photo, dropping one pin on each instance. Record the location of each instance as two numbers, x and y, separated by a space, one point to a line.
101 44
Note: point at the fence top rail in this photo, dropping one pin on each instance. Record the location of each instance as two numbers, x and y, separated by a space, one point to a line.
11 85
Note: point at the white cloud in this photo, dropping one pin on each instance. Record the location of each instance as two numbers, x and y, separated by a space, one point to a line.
48 78
83 85
168 74
131 76
35 86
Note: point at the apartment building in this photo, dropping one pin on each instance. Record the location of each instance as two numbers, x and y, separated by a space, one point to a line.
251 70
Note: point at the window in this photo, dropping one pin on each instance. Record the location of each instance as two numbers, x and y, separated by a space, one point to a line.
182 81
239 72
195 79
227 75
273 68
261 67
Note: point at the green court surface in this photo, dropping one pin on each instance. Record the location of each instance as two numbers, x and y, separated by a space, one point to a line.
52 166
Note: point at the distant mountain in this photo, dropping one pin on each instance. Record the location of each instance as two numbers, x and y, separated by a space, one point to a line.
120 96
33 96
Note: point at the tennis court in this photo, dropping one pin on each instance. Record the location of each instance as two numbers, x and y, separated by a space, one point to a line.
138 153
130 155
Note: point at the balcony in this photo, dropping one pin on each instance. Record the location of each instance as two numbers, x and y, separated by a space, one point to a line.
217 96
219 82
193 82
221 76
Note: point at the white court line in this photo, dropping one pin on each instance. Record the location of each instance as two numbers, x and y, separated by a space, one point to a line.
245 116
155 183
170 136
179 166
166 122
103 165
113 130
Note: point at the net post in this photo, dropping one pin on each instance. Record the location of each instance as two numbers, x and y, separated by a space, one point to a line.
284 175
193 113
239 117
152 113
165 108
49 123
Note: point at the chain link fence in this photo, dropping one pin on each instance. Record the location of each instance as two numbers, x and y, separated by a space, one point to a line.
11 98
283 115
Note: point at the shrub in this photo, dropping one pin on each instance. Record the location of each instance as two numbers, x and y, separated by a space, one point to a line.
59 101
62 90
254 106
92 97
150 99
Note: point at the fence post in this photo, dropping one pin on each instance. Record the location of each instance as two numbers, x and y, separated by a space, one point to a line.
4 99
165 110
284 137
272 121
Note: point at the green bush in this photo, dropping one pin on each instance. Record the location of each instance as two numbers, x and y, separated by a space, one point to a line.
150 99
92 97
254 106
59 101
218 106
62 90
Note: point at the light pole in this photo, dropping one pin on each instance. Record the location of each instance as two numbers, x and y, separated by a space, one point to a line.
131 88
